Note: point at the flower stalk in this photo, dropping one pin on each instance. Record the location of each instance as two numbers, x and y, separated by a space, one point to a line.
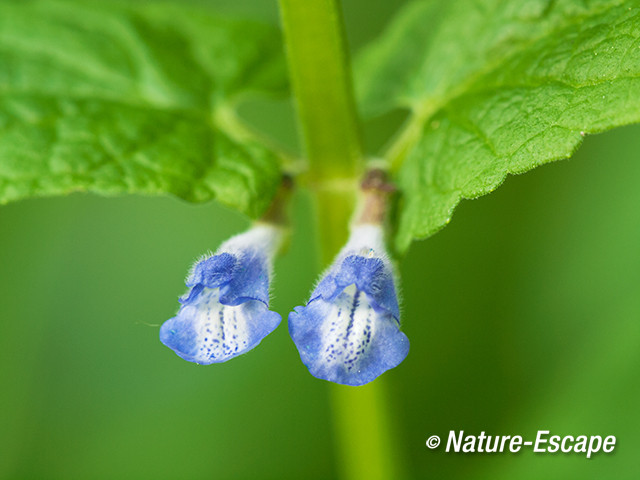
375 193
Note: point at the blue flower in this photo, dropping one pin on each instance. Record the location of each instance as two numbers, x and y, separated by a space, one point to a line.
349 332
226 311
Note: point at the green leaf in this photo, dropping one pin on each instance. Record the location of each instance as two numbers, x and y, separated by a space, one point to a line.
496 87
134 100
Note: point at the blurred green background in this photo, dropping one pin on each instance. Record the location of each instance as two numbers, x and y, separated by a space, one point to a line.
523 314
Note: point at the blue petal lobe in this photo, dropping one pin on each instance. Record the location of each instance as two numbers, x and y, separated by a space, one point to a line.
208 331
347 340
241 277
370 275
250 279
213 271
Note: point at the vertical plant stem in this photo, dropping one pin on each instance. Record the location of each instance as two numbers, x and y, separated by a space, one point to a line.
320 74
319 70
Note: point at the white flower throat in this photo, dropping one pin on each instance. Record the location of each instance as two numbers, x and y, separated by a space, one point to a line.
221 330
348 335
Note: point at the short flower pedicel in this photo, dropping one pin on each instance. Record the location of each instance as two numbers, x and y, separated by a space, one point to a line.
349 332
226 312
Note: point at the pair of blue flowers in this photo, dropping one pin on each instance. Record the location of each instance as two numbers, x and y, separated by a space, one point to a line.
347 333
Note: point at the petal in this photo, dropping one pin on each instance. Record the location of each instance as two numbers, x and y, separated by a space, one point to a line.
207 331
250 279
372 275
347 340
241 277
213 271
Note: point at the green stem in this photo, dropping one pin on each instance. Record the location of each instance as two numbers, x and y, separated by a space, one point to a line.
320 74
319 68
405 141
